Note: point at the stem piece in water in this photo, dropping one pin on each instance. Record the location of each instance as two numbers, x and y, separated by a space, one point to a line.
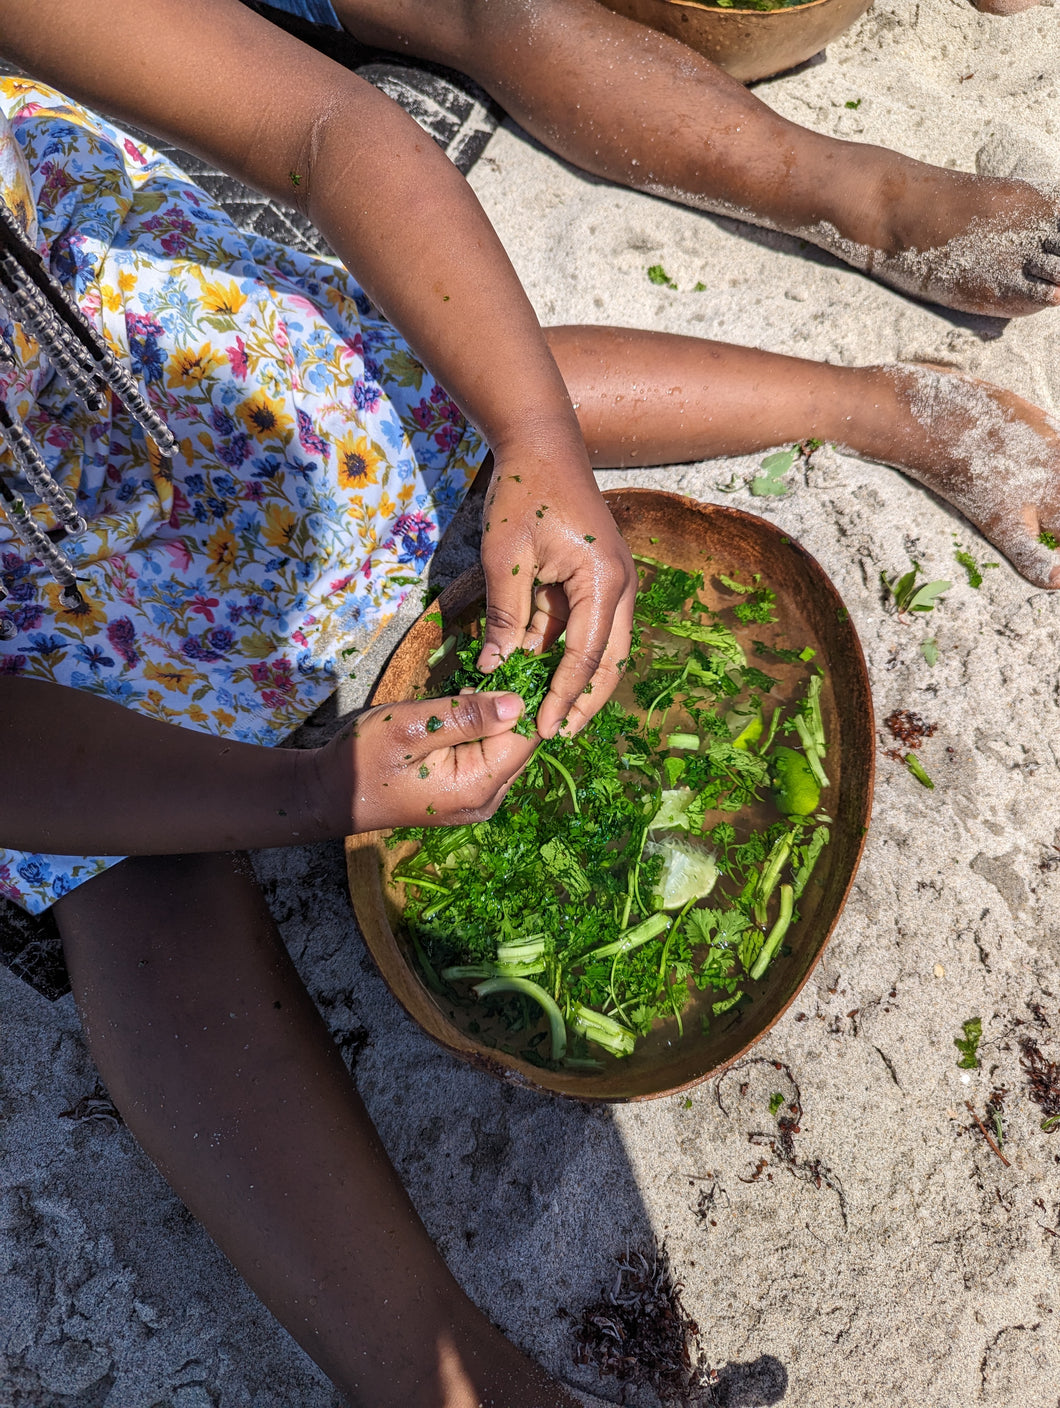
641 933
813 756
605 1031
767 883
687 742
779 929
436 656
433 981
556 1026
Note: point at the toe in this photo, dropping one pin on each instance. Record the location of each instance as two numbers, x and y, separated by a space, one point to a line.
1027 548
1045 267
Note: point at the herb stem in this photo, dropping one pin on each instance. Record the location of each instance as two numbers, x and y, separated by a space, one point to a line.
641 933
555 763
556 1026
779 929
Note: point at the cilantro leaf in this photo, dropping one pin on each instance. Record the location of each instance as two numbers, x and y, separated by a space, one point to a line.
968 1045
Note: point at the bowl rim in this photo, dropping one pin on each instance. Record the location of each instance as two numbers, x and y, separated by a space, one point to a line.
734 11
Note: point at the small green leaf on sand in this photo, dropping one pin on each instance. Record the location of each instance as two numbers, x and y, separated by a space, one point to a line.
968 1045
914 765
910 595
775 466
929 650
776 1100
968 562
658 275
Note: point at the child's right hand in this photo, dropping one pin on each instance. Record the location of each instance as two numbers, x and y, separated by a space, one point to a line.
432 762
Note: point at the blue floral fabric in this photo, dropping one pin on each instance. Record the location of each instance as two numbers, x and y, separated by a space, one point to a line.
318 462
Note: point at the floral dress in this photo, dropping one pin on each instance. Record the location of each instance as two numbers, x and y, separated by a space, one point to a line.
318 461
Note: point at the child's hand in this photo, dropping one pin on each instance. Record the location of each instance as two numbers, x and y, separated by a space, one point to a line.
431 762
554 560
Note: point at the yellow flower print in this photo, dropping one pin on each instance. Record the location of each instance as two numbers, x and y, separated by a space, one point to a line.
224 718
359 461
191 367
178 678
387 507
265 417
405 493
222 298
279 526
88 618
223 553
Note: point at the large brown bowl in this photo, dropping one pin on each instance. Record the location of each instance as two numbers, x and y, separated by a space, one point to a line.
749 44
694 537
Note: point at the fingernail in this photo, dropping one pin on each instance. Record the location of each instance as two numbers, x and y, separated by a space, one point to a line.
509 706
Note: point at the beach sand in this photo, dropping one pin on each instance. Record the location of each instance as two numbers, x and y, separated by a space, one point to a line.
889 1257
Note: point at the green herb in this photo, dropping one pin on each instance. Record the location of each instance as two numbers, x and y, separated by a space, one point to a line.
915 766
968 1045
967 561
588 537
609 884
776 1101
515 570
699 287
658 275
434 723
775 467
853 103
930 651
1047 539
910 595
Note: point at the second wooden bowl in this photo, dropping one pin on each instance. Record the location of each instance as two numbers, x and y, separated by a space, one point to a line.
749 44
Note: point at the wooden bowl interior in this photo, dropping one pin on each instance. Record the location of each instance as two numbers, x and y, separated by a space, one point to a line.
694 537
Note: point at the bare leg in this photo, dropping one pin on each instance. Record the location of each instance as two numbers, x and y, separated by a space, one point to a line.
222 1068
637 107
656 398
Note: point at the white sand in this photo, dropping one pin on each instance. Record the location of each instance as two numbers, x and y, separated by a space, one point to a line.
940 1288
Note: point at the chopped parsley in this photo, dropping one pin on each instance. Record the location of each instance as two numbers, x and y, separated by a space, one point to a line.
577 918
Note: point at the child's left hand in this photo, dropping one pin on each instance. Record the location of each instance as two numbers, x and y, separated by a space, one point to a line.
554 560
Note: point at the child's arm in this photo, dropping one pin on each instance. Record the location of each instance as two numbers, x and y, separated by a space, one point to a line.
85 776
218 80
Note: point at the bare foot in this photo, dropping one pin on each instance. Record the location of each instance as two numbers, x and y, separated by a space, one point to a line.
983 244
988 452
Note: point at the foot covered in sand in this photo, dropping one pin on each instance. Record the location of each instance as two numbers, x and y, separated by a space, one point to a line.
981 244
991 454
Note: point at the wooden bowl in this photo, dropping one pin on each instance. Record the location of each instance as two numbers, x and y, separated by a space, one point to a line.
694 537
749 44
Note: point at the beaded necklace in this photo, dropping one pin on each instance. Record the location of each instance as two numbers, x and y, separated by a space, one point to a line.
86 364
